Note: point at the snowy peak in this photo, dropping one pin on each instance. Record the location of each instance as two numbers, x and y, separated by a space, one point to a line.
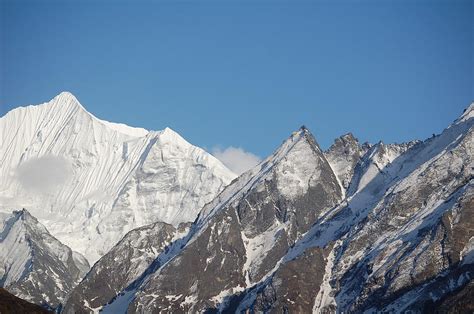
168 135
15 251
64 104
67 107
386 153
347 138
33 264
66 99
295 164
373 164
394 244
298 139
66 96
25 216
241 235
283 236
343 157
302 131
22 217
299 164
72 170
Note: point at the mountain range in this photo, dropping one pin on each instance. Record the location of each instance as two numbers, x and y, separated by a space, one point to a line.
168 228
91 181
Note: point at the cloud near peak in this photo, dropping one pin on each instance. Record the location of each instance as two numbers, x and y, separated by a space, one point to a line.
45 174
236 158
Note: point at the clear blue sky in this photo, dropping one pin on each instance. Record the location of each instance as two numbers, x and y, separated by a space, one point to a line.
245 73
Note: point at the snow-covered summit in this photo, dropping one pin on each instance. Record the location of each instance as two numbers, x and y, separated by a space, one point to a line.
66 103
283 236
283 163
343 157
33 264
240 236
91 181
68 99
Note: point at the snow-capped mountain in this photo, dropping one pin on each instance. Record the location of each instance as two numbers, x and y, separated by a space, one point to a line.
402 242
241 235
90 181
343 156
282 237
123 264
34 265
357 228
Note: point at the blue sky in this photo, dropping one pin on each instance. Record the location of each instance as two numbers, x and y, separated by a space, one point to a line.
244 73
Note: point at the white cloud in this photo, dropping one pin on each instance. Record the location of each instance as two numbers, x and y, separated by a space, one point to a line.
45 174
236 159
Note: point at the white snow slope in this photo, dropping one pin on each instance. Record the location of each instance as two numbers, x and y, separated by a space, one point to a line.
90 181
34 265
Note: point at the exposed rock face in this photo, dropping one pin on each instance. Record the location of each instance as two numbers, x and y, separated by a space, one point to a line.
343 157
403 240
380 228
33 264
239 238
11 304
280 238
90 181
459 301
419 227
124 263
291 289
372 165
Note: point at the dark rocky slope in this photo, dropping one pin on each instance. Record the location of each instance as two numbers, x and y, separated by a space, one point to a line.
9 304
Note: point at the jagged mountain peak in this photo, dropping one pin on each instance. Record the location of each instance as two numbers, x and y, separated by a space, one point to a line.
63 103
67 99
21 216
65 109
282 233
31 222
289 160
346 143
34 264
9 220
67 95
348 137
170 136
101 167
302 135
24 214
394 244
343 156
245 230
